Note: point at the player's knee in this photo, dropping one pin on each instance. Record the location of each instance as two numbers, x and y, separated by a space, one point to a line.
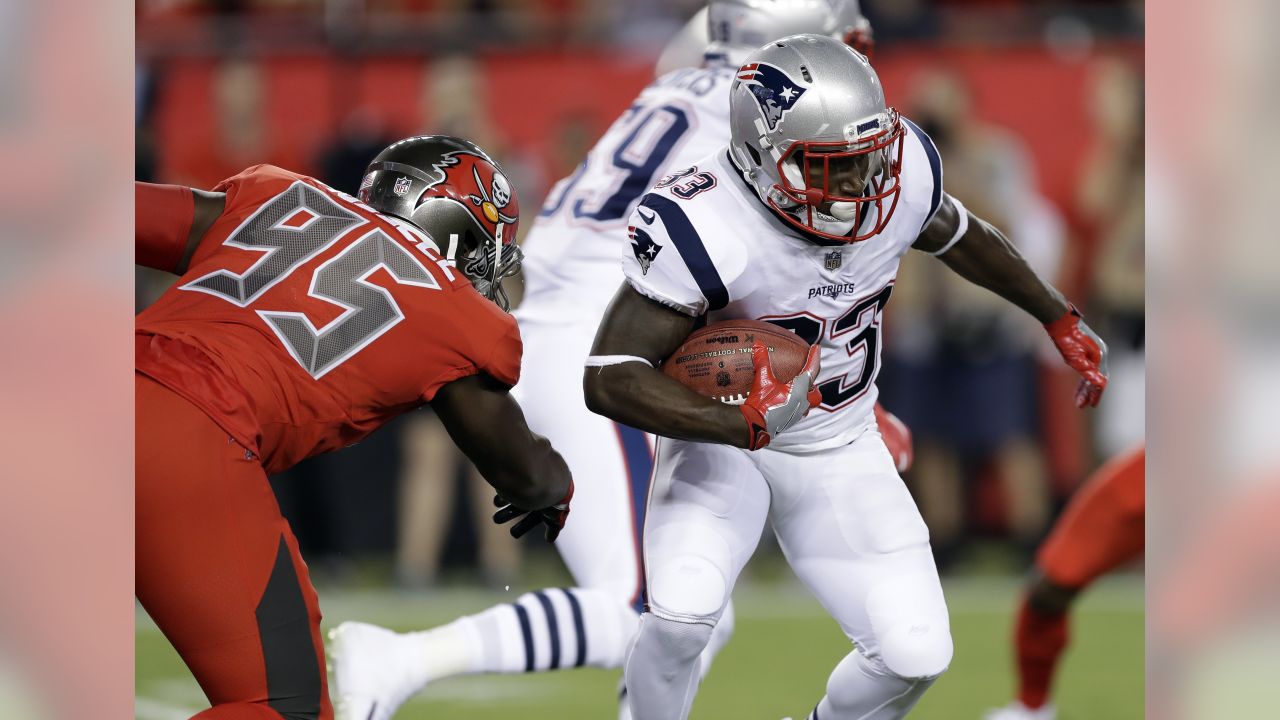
681 641
690 587
1047 597
918 650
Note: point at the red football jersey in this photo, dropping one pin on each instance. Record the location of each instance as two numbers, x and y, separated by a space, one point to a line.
307 320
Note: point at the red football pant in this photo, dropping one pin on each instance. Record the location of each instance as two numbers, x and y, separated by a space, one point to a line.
1101 529
1103 526
218 568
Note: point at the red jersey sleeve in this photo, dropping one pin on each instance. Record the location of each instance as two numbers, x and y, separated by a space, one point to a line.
162 219
487 341
503 362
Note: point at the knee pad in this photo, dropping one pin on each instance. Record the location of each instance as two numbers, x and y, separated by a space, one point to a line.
683 641
689 587
917 651
912 631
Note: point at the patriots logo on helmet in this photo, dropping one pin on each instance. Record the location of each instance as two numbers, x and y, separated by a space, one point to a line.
775 92
645 249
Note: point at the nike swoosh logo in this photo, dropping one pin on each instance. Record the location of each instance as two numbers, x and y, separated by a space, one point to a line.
647 220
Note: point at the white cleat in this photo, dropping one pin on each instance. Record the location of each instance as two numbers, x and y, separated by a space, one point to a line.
375 671
1015 710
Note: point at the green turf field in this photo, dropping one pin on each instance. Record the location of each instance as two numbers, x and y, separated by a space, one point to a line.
776 664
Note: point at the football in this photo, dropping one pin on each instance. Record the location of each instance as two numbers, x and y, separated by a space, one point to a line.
716 360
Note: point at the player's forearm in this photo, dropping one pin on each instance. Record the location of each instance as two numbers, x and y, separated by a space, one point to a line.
490 429
985 257
644 398
533 475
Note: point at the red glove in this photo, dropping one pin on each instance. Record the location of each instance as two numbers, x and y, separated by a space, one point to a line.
860 38
897 437
1084 351
774 406
553 517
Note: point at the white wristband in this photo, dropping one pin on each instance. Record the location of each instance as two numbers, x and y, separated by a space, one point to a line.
964 226
604 360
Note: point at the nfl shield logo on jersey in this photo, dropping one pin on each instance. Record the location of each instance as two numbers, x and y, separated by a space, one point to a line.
834 258
402 186
644 247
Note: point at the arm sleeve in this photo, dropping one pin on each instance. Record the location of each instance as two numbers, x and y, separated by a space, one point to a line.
653 260
162 219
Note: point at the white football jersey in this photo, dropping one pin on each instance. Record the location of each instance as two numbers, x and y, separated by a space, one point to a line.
703 242
571 253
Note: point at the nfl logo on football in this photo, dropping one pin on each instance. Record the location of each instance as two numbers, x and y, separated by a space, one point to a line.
401 186
834 258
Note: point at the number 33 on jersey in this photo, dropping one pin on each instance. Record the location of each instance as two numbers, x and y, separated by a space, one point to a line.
327 316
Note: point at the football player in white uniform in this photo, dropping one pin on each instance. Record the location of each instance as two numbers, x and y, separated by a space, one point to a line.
571 271
800 221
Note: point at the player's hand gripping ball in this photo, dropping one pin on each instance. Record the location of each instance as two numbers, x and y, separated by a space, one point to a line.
767 371
716 360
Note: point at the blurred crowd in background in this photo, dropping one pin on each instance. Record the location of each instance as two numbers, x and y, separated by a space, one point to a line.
1037 110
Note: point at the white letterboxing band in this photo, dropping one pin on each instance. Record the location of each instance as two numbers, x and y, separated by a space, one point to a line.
963 227
605 360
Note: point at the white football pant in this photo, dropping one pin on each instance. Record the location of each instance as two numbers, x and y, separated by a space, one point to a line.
849 529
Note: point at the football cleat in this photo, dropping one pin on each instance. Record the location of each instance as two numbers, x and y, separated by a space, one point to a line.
1017 711
374 669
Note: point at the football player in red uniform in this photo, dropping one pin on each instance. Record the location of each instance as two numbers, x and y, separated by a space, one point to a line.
1102 528
304 320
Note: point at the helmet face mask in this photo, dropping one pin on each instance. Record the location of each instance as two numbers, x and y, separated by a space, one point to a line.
842 181
487 265
451 190
811 133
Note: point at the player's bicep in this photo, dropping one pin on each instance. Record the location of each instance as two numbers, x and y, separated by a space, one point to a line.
635 325
471 407
945 228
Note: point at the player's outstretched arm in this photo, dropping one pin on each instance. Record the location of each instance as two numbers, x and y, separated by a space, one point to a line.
489 428
169 222
634 393
981 254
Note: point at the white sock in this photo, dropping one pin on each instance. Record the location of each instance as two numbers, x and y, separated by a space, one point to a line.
544 630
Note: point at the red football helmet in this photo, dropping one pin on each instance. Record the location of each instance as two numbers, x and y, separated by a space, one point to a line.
456 194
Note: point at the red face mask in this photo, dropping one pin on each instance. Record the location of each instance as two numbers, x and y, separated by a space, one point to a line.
860 177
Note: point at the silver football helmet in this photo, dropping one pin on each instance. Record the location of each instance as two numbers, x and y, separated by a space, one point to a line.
810 131
736 28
